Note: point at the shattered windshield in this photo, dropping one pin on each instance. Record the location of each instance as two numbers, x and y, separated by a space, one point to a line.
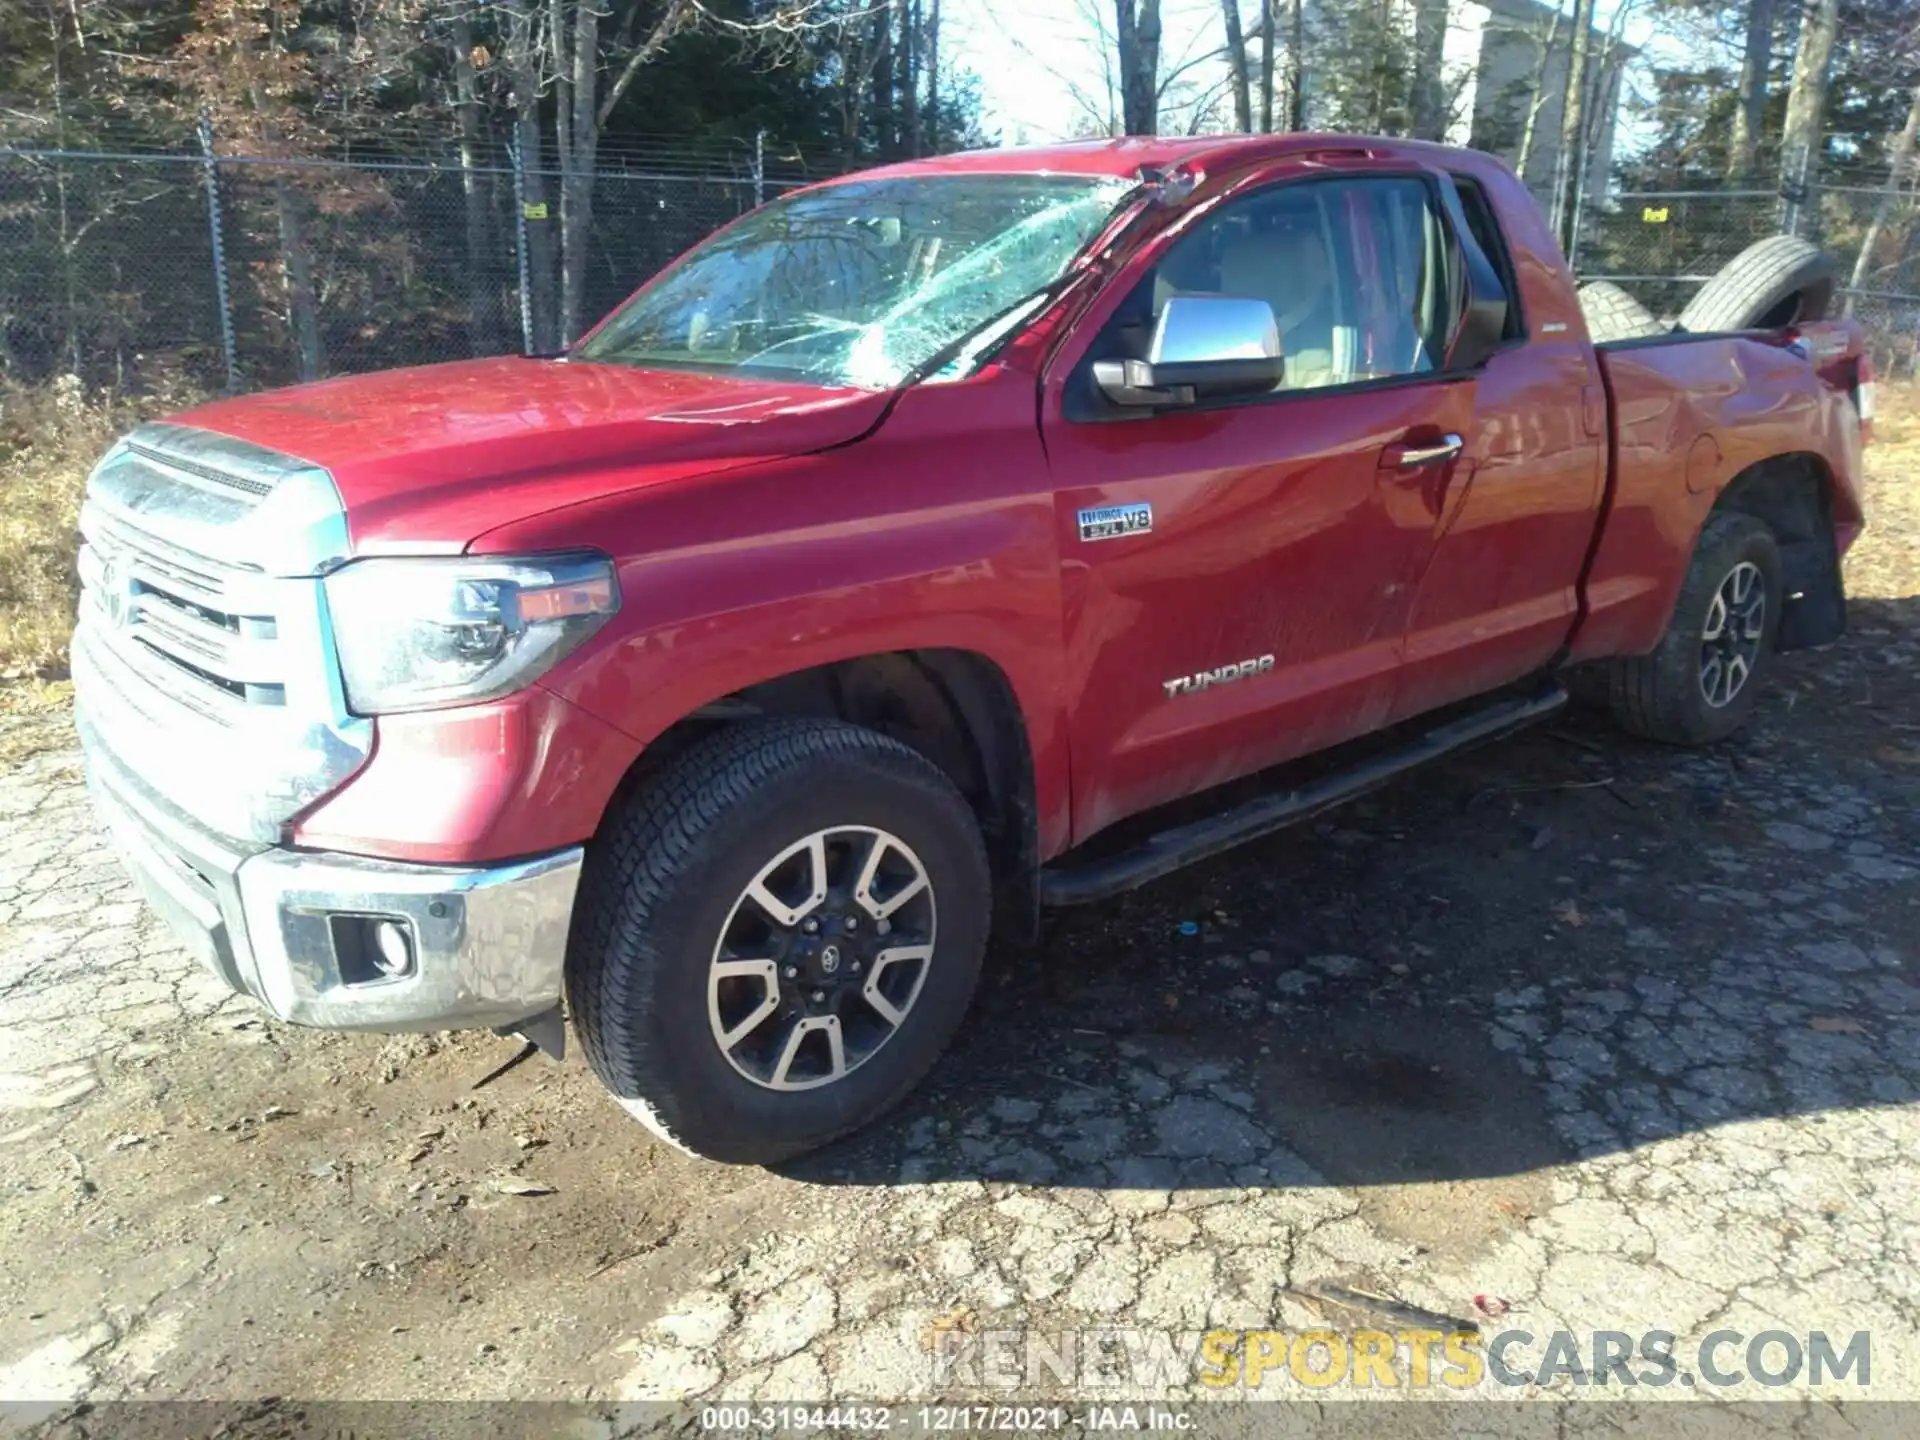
859 283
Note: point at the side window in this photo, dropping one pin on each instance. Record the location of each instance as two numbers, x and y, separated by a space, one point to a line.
1493 244
1357 273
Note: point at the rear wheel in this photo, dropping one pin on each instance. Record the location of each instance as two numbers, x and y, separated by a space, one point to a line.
1702 681
777 937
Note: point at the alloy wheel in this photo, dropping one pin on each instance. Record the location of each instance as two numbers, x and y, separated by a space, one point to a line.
821 958
1730 641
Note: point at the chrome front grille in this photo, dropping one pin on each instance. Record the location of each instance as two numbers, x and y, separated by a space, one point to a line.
204 660
207 623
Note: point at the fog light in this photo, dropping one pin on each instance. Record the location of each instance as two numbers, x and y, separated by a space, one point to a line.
372 949
392 949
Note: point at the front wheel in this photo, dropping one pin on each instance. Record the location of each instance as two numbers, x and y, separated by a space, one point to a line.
776 938
1701 682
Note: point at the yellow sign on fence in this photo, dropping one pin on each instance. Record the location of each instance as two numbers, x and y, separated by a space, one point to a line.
534 212
1653 215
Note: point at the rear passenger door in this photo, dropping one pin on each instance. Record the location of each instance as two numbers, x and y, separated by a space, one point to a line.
1499 594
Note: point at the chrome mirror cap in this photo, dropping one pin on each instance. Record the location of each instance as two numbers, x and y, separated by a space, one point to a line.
1196 328
1204 347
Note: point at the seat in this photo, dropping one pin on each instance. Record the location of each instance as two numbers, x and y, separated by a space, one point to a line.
1254 265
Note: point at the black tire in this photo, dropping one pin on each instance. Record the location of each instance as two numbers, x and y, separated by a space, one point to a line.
1781 280
661 884
1663 696
1613 314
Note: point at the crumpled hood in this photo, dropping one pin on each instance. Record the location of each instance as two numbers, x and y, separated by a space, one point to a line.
431 457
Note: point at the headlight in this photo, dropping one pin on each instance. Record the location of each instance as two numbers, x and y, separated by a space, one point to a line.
416 634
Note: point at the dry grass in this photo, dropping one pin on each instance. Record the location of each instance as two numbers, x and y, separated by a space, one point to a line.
50 435
1885 564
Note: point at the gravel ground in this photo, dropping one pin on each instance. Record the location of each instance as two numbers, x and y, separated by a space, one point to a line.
1569 1034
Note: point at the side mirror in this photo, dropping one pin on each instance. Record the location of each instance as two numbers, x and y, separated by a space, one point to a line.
1203 347
1482 325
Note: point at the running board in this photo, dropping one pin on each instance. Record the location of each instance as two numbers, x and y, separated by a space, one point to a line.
1184 845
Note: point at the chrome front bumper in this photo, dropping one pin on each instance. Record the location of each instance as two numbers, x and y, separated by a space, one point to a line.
488 945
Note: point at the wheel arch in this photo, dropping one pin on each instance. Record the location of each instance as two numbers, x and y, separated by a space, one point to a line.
1792 494
956 707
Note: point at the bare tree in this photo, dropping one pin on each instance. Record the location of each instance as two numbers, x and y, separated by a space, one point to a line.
483 329
1800 137
1602 97
1137 43
1098 101
1182 100
1239 81
1188 100
1568 162
1296 66
1749 117
1902 157
909 83
880 75
88 313
242 65
933 76
1429 58
303 304
593 73
583 107
525 69
1537 92
858 80
1269 34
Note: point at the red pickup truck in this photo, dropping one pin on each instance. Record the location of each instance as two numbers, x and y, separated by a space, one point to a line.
730 678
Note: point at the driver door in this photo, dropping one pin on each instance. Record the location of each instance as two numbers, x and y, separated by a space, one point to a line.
1237 572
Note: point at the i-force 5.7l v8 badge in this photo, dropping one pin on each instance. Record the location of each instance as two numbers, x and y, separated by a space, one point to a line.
1111 522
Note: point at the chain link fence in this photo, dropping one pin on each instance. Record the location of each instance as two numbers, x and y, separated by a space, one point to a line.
1662 245
240 272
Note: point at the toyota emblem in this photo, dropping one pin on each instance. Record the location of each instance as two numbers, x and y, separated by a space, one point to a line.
113 593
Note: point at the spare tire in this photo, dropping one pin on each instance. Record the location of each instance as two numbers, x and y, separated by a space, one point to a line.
1613 314
1782 280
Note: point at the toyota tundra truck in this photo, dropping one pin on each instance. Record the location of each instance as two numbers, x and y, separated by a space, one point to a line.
888 567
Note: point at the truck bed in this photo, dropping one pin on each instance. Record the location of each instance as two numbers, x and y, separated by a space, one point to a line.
1687 413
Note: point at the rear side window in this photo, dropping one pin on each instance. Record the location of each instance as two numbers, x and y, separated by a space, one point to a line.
1493 244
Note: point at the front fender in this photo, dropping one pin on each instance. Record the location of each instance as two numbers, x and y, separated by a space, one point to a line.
936 532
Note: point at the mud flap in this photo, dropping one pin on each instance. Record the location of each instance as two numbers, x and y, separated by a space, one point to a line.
547 1030
1816 607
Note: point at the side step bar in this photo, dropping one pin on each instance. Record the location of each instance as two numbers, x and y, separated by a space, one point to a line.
1170 850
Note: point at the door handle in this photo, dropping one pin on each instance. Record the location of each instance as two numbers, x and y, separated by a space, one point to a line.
1408 457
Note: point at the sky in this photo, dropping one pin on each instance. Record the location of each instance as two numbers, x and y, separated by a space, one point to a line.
1039 61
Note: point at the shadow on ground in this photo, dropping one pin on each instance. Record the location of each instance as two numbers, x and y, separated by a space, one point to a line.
1563 945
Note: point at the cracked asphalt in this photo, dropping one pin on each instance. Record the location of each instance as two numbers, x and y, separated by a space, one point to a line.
1571 1033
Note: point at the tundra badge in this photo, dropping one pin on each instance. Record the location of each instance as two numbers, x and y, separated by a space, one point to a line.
1110 522
1207 679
